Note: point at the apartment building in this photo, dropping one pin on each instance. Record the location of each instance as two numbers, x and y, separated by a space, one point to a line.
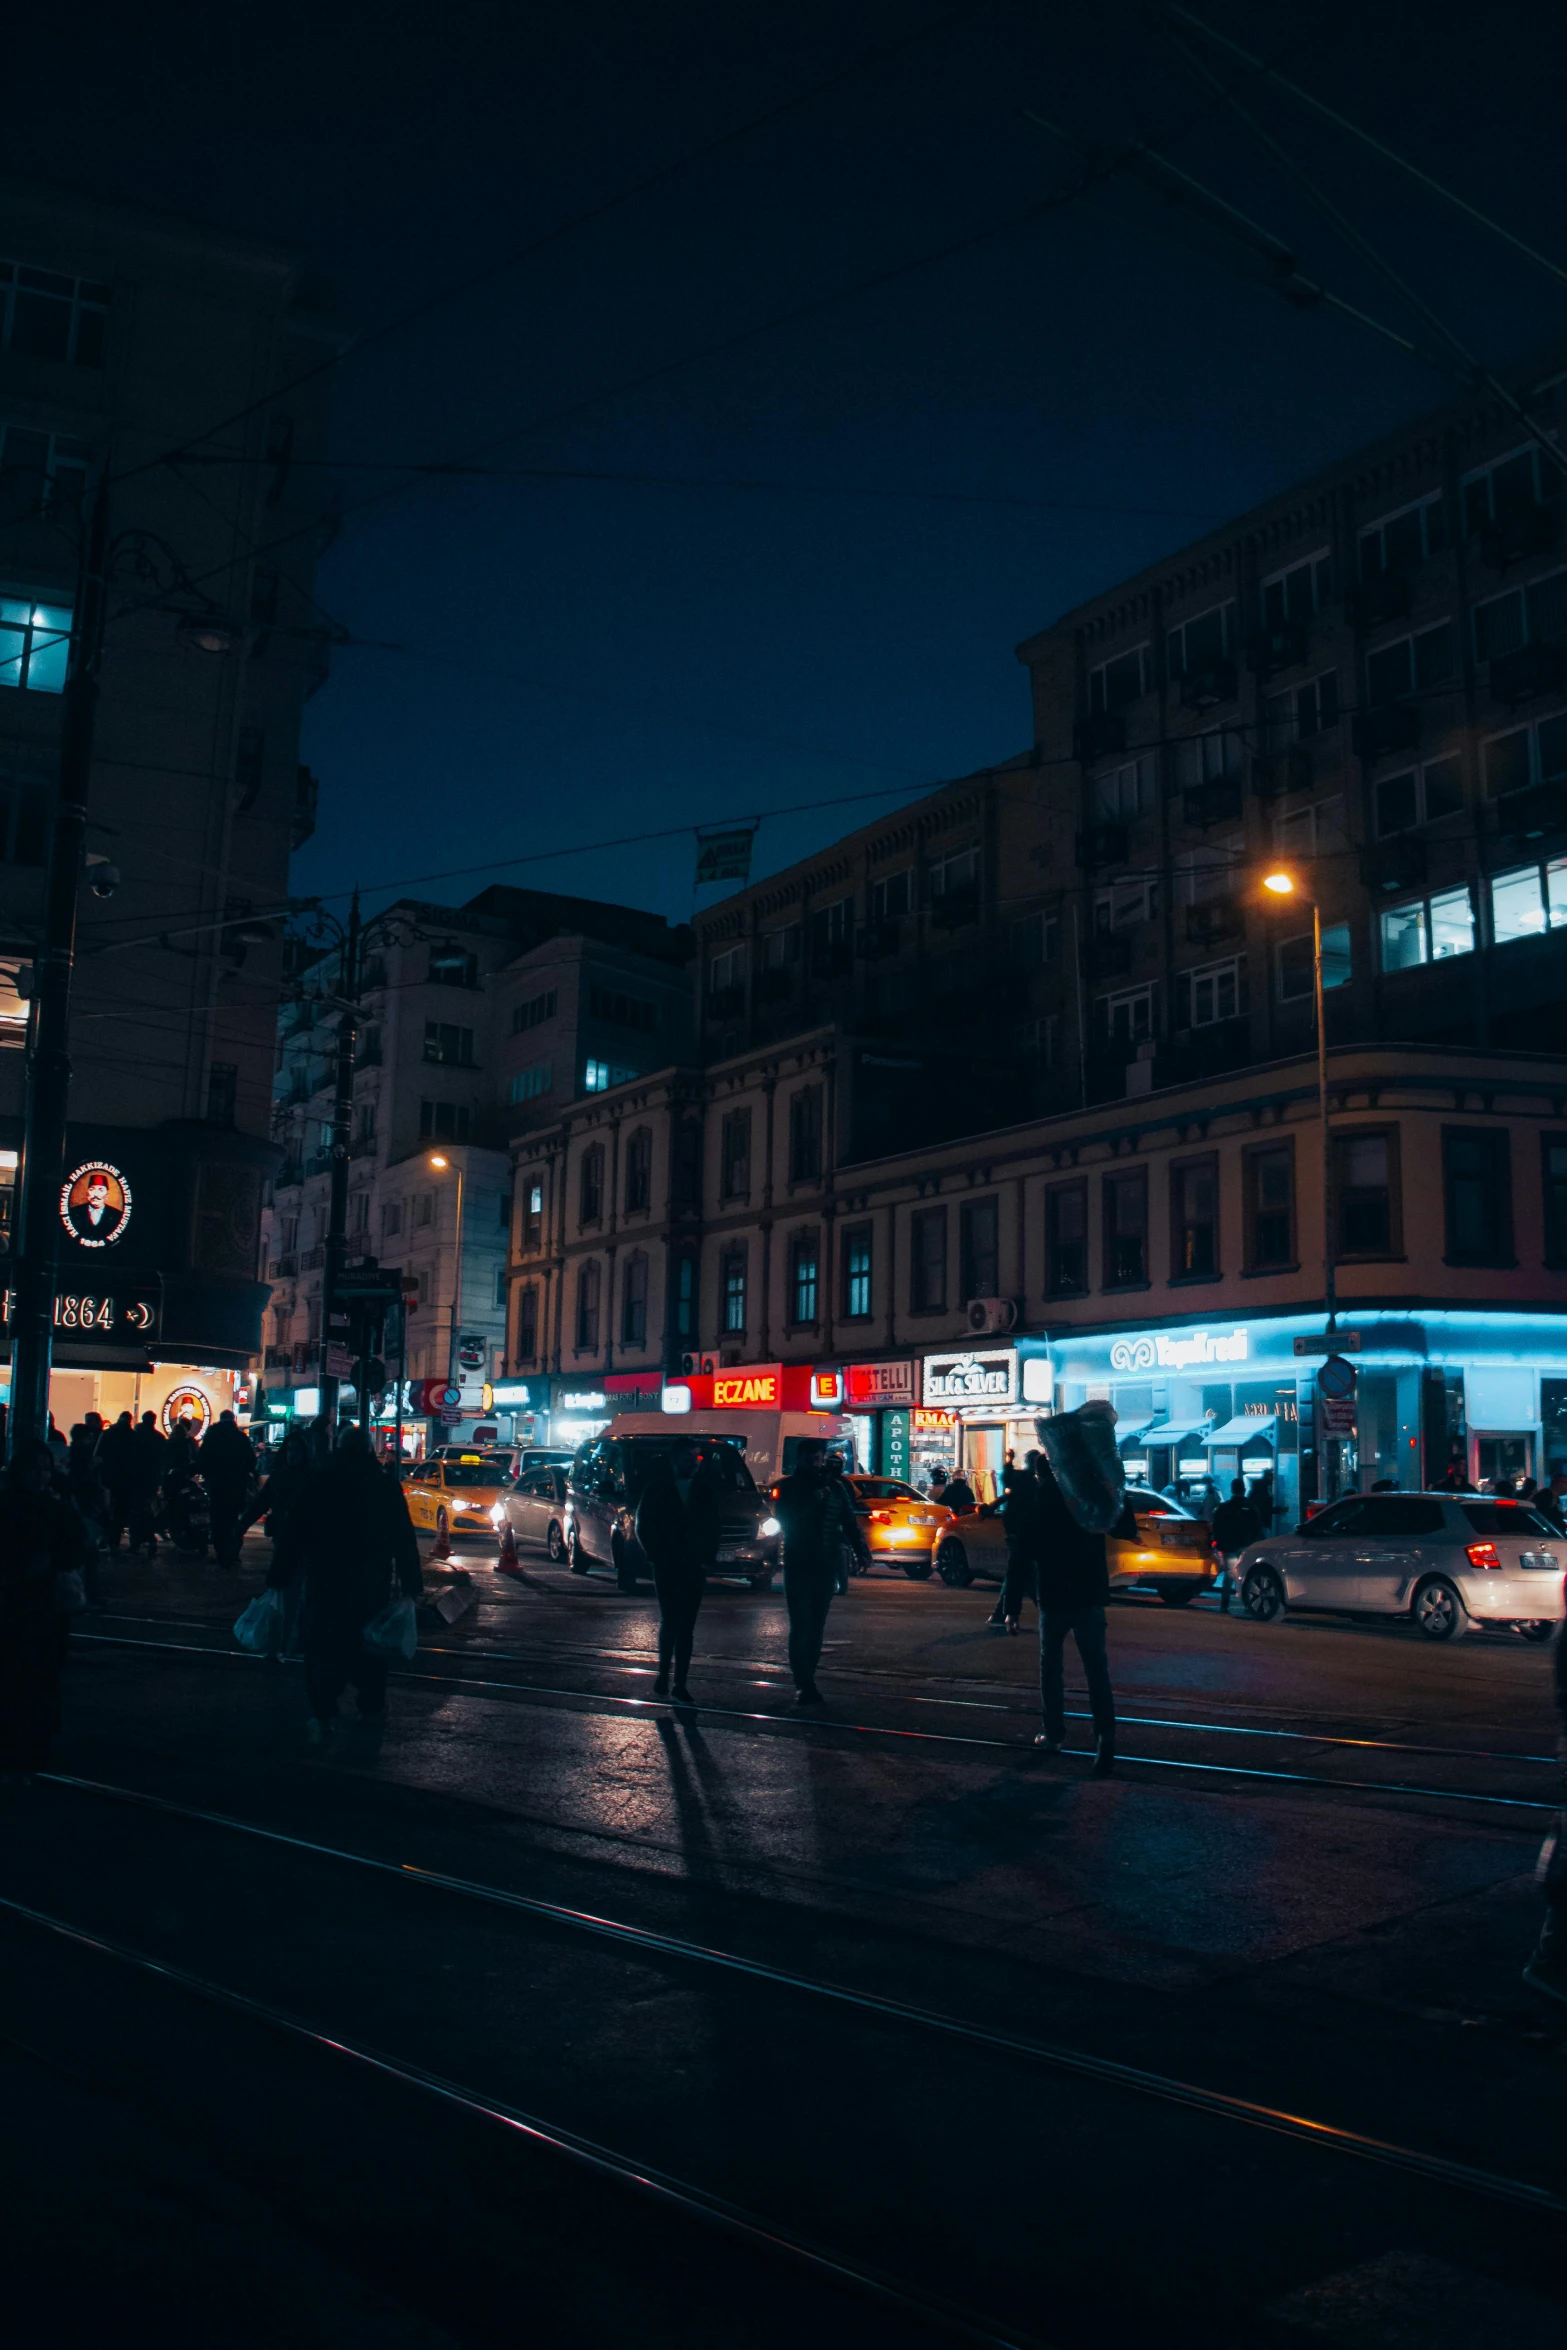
126 336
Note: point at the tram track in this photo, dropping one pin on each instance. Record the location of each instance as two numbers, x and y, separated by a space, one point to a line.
486 1687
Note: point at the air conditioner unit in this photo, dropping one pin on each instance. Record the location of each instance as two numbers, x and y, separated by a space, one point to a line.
988 1315
698 1366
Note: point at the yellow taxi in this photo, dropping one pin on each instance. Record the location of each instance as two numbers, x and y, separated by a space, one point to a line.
1173 1553
459 1495
901 1525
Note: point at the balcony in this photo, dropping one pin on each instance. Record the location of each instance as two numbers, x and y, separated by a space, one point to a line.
774 986
1108 954
725 1003
1377 601
1205 689
1515 537
1214 919
1100 736
1218 802
955 908
1294 769
1376 734
1394 864
878 939
283 1268
1533 669
1279 648
311 1260
1102 845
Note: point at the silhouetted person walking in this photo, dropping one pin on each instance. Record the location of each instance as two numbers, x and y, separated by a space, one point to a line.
116 1458
41 1539
149 1457
1020 1517
1236 1523
351 1537
817 1518
1074 1584
227 1463
677 1526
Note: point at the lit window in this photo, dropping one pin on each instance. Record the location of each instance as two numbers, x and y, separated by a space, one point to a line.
529 1083
35 645
1528 901
599 1076
1431 931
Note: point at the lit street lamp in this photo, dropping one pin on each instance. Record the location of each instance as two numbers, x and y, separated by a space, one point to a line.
440 1162
1282 884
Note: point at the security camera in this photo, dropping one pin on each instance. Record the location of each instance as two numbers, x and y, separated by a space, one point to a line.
102 878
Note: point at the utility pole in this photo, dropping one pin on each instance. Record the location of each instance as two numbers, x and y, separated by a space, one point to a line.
49 1061
337 1212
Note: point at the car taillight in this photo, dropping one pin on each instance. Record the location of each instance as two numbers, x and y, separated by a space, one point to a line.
880 1517
1482 1554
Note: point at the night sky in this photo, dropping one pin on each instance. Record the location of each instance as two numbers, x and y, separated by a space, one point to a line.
806 581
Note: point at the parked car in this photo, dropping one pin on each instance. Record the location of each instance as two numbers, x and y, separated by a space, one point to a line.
1444 1560
606 1482
901 1524
1173 1552
535 1509
457 1497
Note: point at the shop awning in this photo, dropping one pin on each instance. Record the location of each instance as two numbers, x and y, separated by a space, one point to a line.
1244 1427
1177 1432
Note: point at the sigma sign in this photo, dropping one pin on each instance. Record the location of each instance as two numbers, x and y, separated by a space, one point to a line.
1149 1353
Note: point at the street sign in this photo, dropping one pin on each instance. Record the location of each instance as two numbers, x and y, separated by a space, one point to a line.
1336 1378
1338 1415
1323 1342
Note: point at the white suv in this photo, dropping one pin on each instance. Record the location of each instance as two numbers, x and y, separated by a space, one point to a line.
1443 1559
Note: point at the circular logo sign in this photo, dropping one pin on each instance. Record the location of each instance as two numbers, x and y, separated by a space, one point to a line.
95 1204
187 1403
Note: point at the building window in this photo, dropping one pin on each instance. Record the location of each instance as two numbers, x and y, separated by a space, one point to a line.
1126 903
1293 958
1421 796
53 317
805 1134
25 814
1210 993
1270 1207
452 966
222 1092
687 1167
1066 1240
391 1217
1040 1039
831 927
1528 901
527 1322
685 1300
1115 683
529 1083
639 1171
856 1246
734 1174
618 1010
1399 541
359 1213
1429 931
599 1076
778 949
532 1215
443 1042
804 1261
726 972
537 1008
1478 1190
1127 1017
1553 1173
1303 712
1194 1219
733 1271
979 1229
591 1185
1200 643
444 1121
1124 792
1527 755
1412 665
952 882
40 473
1209 758
1033 941
1293 596
1365 1194
500 1287
35 644
633 1301
1501 492
892 896
1126 1230
1313 831
424 1209
589 1281
928 1261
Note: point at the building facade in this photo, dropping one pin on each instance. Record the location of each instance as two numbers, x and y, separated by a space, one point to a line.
124 338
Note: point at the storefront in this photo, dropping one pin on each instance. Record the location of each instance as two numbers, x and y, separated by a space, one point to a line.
878 1400
1482 1394
977 1410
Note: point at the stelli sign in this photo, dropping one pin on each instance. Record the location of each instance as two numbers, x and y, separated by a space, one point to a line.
1171 1351
968 1380
877 1387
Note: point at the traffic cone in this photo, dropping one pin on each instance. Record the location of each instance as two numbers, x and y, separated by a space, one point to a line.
508 1563
443 1542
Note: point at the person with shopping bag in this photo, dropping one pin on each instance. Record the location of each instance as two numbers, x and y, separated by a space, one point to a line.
1082 1498
350 1537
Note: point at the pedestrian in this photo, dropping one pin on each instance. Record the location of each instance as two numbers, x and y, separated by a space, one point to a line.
227 1462
959 1494
1263 1501
834 1465
678 1528
937 1487
1551 1501
350 1537
1547 1968
817 1518
116 1459
287 1478
1074 1585
149 1451
1020 1517
1236 1523
43 1550
85 1491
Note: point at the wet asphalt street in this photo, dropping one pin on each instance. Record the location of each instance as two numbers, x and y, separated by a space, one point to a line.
1304 1900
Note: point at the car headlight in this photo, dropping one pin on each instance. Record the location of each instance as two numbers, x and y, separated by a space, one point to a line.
770 1526
498 1513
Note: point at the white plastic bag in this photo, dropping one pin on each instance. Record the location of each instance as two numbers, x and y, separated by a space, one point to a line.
260 1628
394 1632
1081 1448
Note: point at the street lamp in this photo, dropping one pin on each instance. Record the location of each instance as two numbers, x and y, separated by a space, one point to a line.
440 1162
1282 884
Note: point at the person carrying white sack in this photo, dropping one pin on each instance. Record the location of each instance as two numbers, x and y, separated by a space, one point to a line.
1082 1498
350 1536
